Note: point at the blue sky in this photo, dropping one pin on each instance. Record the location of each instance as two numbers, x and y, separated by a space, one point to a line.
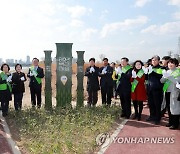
137 29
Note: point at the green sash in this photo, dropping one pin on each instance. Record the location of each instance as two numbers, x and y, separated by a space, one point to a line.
124 70
4 86
135 82
37 79
158 70
175 74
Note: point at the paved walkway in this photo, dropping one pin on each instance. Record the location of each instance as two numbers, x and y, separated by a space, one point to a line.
4 146
142 130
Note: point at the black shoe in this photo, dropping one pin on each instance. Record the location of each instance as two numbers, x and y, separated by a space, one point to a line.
123 115
149 119
4 114
168 125
135 116
173 127
139 118
157 122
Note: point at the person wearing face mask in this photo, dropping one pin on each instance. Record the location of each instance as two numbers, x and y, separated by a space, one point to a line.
106 82
92 73
170 79
18 79
138 90
35 75
5 88
155 92
124 87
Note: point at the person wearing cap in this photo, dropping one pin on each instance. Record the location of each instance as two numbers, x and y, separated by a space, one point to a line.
92 73
124 87
35 75
5 88
166 95
18 79
171 78
155 90
106 82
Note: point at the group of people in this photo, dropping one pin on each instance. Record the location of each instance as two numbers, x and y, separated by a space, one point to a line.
13 83
157 82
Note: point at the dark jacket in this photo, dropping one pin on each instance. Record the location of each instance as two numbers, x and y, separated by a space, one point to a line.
17 84
154 82
5 95
106 79
92 81
33 82
124 84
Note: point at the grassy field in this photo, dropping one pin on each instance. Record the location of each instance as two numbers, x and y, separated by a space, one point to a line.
61 130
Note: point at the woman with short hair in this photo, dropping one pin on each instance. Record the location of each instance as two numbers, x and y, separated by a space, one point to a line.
5 88
170 79
18 79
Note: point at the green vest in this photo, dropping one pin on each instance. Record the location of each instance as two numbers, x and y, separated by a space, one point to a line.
5 86
135 82
175 74
39 81
124 70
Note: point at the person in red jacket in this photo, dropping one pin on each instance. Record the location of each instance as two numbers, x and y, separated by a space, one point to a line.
138 91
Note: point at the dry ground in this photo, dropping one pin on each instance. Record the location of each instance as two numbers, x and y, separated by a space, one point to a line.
26 98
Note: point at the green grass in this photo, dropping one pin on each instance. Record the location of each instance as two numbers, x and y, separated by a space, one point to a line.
63 130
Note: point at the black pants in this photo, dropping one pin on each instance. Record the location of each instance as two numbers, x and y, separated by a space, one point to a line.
18 100
138 107
125 98
167 99
106 93
5 107
114 89
174 120
155 101
92 97
35 92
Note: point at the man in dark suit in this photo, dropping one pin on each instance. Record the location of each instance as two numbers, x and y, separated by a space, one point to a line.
92 73
35 74
155 91
106 82
124 87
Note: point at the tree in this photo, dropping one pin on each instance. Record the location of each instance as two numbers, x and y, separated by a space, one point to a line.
102 56
170 53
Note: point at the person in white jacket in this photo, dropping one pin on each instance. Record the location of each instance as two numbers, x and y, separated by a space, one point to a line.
170 79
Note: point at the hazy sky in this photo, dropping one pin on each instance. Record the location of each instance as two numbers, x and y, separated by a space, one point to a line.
137 29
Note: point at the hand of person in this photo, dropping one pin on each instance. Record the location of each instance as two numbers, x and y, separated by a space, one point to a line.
31 74
150 69
90 70
104 71
22 78
9 79
34 73
145 70
178 85
166 74
93 70
134 75
118 70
